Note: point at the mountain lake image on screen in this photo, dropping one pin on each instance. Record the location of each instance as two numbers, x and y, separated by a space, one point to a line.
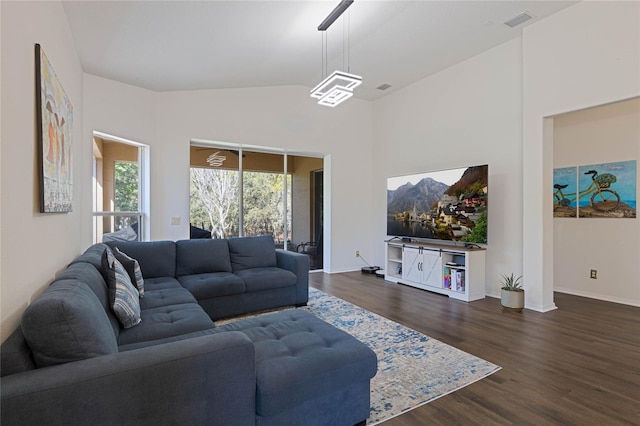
441 205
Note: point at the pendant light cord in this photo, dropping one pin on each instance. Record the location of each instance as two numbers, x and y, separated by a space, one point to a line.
325 49
322 56
348 41
344 26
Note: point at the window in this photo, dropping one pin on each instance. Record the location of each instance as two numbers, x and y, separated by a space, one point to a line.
126 190
214 201
216 204
263 205
246 192
119 189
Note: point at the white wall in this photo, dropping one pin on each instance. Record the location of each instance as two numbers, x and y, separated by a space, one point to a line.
489 109
30 238
119 110
281 117
584 56
466 115
492 108
604 134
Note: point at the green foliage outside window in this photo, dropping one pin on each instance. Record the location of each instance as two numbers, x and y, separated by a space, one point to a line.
214 204
126 191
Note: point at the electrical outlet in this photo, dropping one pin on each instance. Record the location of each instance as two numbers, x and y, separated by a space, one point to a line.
357 253
594 274
175 220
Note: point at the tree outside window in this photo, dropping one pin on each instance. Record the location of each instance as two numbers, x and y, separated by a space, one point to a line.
126 192
215 203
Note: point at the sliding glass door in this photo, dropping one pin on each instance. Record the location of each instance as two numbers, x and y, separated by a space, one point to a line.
266 196
214 202
250 192
240 193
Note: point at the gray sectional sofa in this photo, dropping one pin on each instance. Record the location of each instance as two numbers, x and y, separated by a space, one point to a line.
73 363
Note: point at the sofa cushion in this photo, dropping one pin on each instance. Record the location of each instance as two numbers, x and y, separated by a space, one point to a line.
89 275
165 297
133 269
300 357
167 321
123 296
252 252
258 279
147 343
156 258
205 286
15 355
160 283
93 255
202 256
67 323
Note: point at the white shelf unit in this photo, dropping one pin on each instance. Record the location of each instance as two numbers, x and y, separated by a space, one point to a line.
457 272
394 261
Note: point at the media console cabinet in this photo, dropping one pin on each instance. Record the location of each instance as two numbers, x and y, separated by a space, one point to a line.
455 271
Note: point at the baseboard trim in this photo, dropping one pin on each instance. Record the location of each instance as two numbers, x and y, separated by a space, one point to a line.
340 271
542 308
597 296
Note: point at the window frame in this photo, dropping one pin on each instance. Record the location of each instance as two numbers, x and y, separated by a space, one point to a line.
143 213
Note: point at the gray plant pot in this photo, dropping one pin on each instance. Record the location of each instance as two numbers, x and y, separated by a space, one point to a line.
513 300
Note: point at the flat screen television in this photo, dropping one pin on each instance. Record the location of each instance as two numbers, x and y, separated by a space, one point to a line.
442 205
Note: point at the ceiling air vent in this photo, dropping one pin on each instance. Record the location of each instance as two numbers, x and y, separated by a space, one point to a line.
383 86
517 20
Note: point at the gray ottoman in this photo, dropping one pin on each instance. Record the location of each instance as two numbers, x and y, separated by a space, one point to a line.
308 372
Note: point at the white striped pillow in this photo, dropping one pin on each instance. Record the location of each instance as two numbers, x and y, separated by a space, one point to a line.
123 296
133 269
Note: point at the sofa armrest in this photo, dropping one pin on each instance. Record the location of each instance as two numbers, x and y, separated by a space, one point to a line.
205 380
297 263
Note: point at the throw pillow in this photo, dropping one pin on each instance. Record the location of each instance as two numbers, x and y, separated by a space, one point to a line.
133 269
123 296
105 265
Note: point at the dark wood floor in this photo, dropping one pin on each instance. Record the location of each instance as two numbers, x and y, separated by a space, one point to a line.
577 365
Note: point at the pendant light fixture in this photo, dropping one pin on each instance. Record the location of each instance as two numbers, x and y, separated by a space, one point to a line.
337 87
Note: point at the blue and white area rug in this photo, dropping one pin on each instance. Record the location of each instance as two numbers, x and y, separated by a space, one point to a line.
413 369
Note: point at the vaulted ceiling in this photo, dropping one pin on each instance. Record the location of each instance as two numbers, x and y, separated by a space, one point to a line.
191 45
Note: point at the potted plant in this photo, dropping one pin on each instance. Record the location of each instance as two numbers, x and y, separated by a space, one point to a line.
512 293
